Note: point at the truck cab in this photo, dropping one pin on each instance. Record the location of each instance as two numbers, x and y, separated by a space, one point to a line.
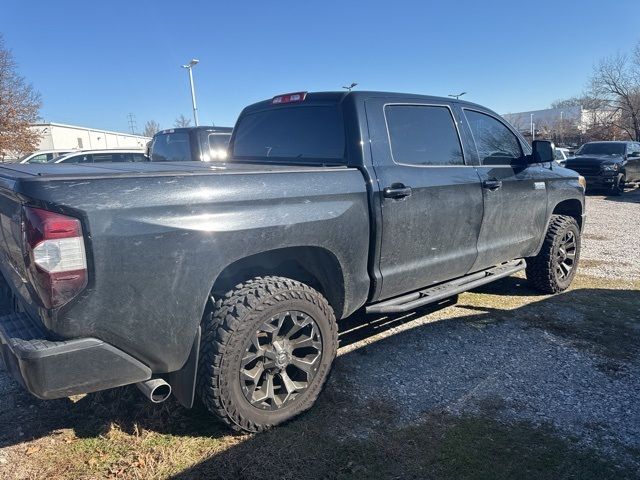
206 144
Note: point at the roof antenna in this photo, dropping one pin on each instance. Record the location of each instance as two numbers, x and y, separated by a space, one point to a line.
350 87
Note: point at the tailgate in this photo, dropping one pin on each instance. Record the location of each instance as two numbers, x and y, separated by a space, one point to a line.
12 264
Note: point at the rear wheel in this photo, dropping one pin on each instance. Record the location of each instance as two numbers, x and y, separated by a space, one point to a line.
266 352
553 269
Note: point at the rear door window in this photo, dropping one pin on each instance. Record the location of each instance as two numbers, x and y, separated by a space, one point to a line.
171 147
423 135
107 157
42 158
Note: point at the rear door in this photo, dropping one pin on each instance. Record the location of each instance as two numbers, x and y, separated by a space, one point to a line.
430 198
514 193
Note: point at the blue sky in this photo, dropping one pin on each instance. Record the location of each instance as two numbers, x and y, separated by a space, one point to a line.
94 62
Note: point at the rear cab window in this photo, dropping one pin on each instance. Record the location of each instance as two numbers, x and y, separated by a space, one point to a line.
300 133
171 146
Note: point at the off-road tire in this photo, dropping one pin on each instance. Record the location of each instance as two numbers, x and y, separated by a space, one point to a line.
541 269
226 330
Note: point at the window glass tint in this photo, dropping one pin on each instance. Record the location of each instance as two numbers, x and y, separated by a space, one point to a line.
292 132
602 148
218 143
77 159
558 155
42 158
171 147
496 144
423 135
107 157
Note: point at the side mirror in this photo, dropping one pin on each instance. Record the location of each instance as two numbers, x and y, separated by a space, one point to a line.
543 151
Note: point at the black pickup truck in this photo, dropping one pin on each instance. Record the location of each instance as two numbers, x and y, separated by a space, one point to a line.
225 282
607 166
185 144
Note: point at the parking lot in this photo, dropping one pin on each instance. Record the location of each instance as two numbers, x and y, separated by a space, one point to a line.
513 383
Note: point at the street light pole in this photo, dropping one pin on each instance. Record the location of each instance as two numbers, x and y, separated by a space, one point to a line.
457 95
189 67
533 132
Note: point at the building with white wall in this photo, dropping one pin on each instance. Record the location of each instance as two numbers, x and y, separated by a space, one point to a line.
57 136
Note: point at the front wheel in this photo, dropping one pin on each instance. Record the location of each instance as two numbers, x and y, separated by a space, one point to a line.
266 352
553 269
618 188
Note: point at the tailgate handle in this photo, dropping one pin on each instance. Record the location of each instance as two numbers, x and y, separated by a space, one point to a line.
492 184
396 190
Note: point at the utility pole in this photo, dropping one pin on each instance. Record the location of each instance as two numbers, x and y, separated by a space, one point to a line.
133 126
189 66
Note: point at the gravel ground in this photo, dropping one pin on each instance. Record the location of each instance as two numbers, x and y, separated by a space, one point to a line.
515 371
485 361
611 244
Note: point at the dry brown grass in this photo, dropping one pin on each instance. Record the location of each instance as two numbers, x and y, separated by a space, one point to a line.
119 435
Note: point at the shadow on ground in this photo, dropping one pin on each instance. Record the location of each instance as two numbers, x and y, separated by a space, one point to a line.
347 437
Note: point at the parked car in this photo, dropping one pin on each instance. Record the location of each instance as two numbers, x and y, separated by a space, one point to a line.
43 156
227 282
607 165
561 155
101 156
208 144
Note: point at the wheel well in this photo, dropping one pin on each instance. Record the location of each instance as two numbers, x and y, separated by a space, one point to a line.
572 208
313 266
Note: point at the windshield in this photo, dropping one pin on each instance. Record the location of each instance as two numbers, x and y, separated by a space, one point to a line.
602 148
308 133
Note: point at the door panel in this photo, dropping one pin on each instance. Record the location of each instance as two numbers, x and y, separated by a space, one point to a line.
514 194
514 214
429 233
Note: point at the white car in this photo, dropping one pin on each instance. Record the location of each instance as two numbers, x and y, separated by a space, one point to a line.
561 155
43 156
101 156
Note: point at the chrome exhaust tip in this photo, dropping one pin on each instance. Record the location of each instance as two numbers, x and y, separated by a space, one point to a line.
156 389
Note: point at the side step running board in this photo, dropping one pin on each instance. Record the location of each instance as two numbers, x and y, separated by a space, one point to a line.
411 301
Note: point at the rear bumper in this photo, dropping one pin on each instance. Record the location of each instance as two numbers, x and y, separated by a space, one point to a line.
54 369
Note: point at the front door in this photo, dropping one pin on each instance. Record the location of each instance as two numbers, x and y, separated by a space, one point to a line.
431 201
514 193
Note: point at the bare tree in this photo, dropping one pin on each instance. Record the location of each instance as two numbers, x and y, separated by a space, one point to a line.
151 127
19 108
616 81
182 121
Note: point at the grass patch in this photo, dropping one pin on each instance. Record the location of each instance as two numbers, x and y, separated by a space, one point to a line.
118 434
600 316
332 441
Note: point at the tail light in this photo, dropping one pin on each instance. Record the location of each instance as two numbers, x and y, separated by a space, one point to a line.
57 263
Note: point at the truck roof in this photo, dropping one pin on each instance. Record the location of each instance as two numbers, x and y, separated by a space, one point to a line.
338 97
200 127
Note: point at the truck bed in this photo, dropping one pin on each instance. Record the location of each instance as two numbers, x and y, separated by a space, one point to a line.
157 235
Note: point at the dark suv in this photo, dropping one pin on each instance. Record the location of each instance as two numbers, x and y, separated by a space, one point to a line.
607 165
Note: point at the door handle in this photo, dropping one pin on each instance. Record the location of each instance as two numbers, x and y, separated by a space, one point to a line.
396 190
492 184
